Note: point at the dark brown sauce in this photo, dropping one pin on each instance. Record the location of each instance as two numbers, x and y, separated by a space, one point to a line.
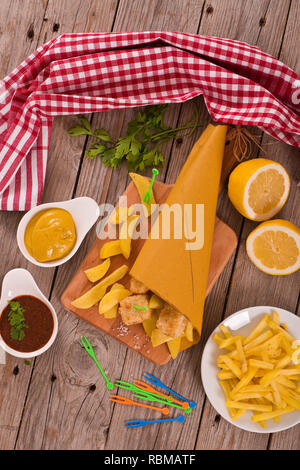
39 319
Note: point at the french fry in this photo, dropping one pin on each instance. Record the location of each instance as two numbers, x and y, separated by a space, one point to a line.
258 341
225 331
218 339
226 389
260 364
273 414
248 406
269 377
286 382
97 272
275 327
276 393
232 365
257 330
229 341
225 375
275 317
245 380
109 249
246 396
290 398
240 350
255 388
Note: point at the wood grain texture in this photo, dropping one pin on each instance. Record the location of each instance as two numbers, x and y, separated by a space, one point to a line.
59 402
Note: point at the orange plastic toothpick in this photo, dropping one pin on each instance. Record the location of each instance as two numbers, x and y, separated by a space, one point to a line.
147 388
127 401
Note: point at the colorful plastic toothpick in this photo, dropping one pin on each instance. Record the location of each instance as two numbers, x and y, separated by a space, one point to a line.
141 308
147 388
148 397
89 349
148 193
127 401
158 383
142 422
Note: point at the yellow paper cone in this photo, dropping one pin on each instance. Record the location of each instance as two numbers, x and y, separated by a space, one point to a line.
177 274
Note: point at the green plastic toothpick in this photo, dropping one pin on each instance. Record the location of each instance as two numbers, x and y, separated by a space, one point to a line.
141 308
148 193
89 349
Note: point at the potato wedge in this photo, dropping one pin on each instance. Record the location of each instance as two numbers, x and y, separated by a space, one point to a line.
157 337
156 302
142 185
90 298
119 215
189 332
109 249
112 298
97 272
112 313
126 232
150 324
174 346
95 294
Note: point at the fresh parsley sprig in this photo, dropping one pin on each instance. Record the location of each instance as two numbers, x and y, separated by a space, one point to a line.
17 320
140 147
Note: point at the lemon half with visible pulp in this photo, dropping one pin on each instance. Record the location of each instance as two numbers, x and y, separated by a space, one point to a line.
258 188
274 247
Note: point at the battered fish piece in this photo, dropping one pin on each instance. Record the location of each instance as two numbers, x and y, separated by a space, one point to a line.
137 287
132 316
171 322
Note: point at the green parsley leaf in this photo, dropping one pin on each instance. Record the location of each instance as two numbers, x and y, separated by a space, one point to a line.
140 147
16 320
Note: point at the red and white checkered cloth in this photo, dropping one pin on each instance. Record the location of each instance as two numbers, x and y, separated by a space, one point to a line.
83 73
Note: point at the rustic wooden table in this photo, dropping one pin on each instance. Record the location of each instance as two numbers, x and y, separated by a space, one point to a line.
59 402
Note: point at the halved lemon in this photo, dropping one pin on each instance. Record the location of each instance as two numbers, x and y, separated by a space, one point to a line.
274 247
258 188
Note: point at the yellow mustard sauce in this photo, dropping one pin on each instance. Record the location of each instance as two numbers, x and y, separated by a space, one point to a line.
50 235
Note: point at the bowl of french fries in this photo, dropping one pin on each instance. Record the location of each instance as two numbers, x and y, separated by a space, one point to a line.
251 369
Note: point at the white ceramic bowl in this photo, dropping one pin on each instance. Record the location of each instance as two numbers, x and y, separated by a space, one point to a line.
85 212
242 323
20 282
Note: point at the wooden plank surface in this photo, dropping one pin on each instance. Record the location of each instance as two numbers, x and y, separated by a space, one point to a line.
58 402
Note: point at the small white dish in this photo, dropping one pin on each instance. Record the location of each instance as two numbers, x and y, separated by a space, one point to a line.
242 323
20 282
85 212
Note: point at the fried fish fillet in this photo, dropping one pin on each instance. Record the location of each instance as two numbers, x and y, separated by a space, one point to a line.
171 322
131 315
137 287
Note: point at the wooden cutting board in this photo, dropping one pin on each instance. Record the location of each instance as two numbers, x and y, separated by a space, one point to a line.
224 244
